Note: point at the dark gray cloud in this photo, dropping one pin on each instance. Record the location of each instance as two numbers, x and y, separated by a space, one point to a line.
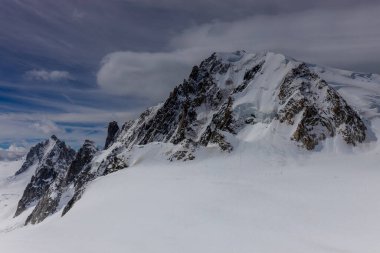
346 38
77 32
82 32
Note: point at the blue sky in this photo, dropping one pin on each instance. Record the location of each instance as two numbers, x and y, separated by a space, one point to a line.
69 67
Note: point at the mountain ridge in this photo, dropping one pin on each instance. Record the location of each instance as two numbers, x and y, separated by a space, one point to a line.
224 96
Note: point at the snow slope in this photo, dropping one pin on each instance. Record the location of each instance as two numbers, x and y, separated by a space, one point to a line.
253 200
11 189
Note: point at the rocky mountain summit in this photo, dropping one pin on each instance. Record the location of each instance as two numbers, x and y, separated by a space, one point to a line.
63 187
51 159
225 94
113 129
58 170
229 91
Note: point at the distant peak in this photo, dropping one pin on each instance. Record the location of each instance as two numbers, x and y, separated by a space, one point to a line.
53 137
113 129
90 142
113 123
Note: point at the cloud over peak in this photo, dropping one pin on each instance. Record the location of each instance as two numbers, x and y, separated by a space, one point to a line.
145 75
47 127
345 38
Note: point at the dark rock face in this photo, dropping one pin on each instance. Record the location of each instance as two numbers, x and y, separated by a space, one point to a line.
49 202
57 158
79 184
178 120
113 129
324 113
82 177
83 157
33 157
248 76
113 163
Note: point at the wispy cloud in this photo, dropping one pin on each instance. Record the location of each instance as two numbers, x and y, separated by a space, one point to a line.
47 127
45 75
148 75
345 38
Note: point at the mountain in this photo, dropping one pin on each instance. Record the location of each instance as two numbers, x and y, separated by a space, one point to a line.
229 91
250 146
222 97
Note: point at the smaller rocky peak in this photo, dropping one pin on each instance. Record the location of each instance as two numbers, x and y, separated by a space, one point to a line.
113 129
194 73
82 158
89 144
322 111
56 194
54 158
58 143
54 137
88 147
34 156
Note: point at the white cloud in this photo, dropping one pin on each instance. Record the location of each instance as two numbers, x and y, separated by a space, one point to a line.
13 152
147 75
341 38
45 126
27 128
346 38
45 75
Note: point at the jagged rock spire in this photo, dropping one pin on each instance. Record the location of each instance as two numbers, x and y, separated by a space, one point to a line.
113 128
53 159
49 202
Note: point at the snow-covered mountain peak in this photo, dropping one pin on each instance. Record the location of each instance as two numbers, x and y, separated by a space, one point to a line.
49 159
228 101
228 92
61 191
54 137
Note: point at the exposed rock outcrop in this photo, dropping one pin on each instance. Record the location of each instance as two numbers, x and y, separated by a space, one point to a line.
34 156
55 161
64 186
113 129
321 111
